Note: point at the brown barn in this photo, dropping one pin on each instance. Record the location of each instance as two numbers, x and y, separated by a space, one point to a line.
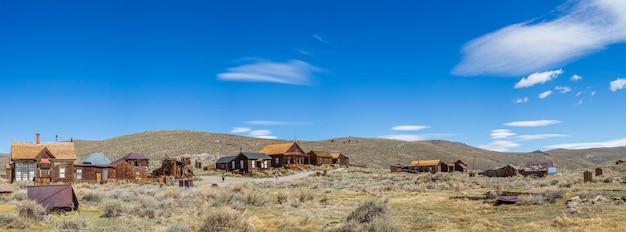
248 161
507 171
288 155
127 168
42 162
460 166
224 163
340 159
320 158
446 167
432 166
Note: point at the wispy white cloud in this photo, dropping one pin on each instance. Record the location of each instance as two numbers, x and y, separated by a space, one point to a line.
534 123
319 38
499 145
580 102
414 137
264 134
521 100
275 123
240 130
538 136
538 78
575 78
294 72
409 128
545 94
611 143
579 93
501 134
617 84
562 89
579 29
304 52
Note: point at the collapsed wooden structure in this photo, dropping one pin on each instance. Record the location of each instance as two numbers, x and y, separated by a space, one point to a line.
177 168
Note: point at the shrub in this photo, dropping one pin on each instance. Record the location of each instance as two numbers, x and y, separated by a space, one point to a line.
552 194
178 228
72 225
92 197
369 209
282 198
112 208
340 227
29 209
304 195
226 219
7 218
19 195
382 225
534 199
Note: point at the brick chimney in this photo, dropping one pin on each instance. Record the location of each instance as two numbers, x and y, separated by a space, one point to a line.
38 138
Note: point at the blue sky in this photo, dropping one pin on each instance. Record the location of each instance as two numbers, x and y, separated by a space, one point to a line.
500 75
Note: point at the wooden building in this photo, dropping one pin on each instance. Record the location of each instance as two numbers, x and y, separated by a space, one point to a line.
507 171
447 167
598 171
537 168
340 159
224 163
42 162
177 168
460 166
131 167
288 155
136 160
432 166
320 158
95 169
247 162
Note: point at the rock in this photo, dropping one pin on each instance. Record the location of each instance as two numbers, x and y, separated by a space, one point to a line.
598 199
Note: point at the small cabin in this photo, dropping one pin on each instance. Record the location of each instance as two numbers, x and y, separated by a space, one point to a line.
432 166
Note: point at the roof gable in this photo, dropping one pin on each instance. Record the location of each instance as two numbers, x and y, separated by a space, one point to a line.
324 154
45 154
336 155
282 148
25 150
97 158
225 159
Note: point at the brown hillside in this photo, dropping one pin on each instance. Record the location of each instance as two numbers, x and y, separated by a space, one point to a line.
368 151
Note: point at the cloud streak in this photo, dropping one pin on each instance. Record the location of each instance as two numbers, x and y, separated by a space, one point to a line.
501 134
611 143
580 29
293 72
499 145
409 128
319 38
521 100
617 84
238 130
274 123
538 78
414 137
545 94
534 123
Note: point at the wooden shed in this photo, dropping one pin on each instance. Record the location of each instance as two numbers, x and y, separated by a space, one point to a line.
598 171
507 171
447 167
340 159
288 155
224 163
432 166
93 173
460 166
320 158
250 161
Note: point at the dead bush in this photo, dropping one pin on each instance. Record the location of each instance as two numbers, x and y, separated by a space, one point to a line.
282 197
112 208
532 199
304 195
369 209
226 219
30 210
76 224
382 225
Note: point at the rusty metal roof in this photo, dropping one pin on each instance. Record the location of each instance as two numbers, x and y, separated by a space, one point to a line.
54 196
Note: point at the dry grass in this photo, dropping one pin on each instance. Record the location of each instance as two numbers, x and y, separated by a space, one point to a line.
349 200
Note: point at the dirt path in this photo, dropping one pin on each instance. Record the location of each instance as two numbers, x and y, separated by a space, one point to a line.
208 180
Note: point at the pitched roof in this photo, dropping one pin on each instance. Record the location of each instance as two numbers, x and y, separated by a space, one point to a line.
26 150
336 155
418 163
97 158
447 164
225 159
461 161
254 155
320 154
130 156
279 148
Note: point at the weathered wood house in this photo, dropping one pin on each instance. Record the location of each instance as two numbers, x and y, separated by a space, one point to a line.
224 163
178 168
507 171
447 167
460 166
320 158
340 159
288 155
432 166
42 162
537 168
131 166
94 169
247 162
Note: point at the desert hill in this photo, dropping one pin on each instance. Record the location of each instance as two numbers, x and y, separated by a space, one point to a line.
366 151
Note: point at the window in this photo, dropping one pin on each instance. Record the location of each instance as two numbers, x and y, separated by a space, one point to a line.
264 164
105 174
18 171
253 163
240 164
79 174
233 164
62 172
31 171
276 160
